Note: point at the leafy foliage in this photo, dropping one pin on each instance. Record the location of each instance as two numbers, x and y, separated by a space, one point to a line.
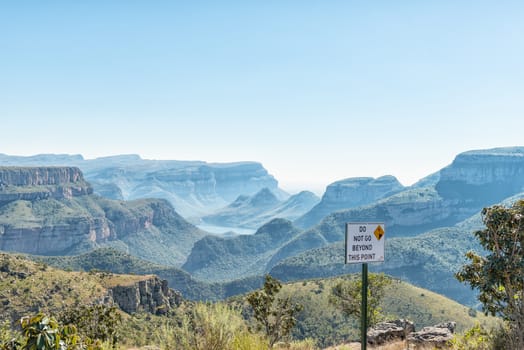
347 296
44 333
275 316
474 338
95 321
499 276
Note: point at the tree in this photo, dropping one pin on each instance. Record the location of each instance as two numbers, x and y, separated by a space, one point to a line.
347 295
275 316
499 274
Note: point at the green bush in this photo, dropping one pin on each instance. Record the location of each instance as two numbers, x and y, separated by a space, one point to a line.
474 338
94 321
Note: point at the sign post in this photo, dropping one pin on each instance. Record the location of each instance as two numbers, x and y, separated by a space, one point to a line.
364 243
364 308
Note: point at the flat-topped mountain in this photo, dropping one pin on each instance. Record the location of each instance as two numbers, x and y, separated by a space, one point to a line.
52 211
253 211
483 176
350 193
195 188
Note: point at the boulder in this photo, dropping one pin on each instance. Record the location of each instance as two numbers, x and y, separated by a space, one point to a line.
438 335
150 295
390 331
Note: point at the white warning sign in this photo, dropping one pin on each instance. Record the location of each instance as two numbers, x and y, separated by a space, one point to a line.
365 242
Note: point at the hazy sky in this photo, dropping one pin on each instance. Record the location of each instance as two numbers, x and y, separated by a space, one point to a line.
317 91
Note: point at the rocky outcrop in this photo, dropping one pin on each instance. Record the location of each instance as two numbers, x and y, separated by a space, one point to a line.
33 183
350 193
150 295
436 336
483 176
384 332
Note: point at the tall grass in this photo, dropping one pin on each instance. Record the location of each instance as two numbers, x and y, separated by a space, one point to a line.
209 327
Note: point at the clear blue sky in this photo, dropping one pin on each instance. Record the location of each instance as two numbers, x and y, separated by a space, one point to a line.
317 91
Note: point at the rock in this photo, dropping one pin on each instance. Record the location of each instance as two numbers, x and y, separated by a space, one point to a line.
150 295
438 335
33 183
451 325
390 331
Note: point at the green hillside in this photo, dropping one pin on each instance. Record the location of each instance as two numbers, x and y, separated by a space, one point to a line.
324 323
116 261
217 259
429 260
147 228
28 287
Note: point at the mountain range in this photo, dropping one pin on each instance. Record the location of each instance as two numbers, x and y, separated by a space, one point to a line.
194 188
53 210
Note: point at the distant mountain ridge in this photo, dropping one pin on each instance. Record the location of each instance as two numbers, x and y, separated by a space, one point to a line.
474 180
431 217
436 214
264 206
350 193
195 188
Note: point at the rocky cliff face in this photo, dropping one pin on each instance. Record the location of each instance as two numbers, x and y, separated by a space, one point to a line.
53 239
350 193
150 295
483 177
28 183
40 176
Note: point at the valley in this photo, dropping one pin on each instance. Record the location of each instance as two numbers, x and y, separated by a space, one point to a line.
137 217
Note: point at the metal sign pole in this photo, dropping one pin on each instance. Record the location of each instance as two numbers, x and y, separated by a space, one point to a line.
364 308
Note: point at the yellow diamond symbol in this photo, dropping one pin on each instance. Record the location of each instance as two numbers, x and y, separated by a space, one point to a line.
379 232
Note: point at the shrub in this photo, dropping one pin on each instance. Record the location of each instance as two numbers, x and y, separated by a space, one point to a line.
474 338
